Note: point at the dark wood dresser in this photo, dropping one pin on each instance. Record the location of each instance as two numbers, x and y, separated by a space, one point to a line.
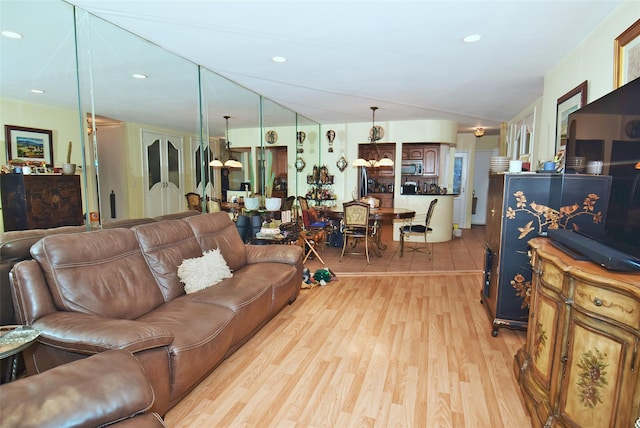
40 201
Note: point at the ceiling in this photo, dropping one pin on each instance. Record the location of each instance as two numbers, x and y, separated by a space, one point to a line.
406 57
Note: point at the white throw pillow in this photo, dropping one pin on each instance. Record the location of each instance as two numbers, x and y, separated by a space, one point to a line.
202 272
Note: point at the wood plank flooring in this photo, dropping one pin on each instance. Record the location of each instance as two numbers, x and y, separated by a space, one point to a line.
374 351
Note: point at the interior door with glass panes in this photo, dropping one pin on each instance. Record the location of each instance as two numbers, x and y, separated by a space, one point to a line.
164 189
460 167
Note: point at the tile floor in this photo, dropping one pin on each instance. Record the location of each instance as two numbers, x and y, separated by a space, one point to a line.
460 254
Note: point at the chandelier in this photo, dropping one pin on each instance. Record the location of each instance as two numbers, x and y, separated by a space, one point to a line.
232 162
479 132
375 133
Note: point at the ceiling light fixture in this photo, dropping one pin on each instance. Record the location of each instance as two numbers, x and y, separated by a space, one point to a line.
279 59
472 38
479 132
11 34
139 76
232 162
375 133
37 91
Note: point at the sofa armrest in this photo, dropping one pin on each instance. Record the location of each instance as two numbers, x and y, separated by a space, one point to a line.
90 334
103 389
289 254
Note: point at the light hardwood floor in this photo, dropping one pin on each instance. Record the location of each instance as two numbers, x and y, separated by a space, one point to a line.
379 351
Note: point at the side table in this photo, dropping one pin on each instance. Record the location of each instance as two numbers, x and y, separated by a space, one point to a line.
13 340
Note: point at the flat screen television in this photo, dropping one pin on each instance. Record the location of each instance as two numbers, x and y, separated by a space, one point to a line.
608 130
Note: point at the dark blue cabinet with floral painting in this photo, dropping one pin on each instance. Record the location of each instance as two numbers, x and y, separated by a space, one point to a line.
519 208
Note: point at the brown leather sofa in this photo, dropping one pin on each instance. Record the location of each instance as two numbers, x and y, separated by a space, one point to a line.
118 289
15 246
108 389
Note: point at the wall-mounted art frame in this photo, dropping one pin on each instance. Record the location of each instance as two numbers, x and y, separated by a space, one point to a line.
29 144
626 66
568 103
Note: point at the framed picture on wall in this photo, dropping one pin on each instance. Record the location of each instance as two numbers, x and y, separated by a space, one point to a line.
567 104
29 144
626 66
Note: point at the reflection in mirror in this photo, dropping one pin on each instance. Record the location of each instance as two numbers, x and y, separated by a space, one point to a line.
277 155
226 98
38 86
142 103
308 148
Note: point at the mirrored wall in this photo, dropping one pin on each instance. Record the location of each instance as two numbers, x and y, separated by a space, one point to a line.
141 123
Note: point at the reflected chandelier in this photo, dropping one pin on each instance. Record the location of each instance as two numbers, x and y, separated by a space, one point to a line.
232 162
375 133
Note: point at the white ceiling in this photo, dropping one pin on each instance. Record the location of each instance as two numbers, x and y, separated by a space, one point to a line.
406 57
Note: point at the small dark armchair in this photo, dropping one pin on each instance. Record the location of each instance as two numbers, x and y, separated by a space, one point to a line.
419 229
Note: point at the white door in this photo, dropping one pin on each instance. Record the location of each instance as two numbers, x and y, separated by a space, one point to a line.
164 190
481 184
460 167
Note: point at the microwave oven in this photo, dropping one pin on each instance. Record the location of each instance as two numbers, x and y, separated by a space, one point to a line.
413 167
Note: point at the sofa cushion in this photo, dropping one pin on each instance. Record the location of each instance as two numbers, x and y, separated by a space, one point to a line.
95 391
101 273
202 336
204 271
165 245
216 230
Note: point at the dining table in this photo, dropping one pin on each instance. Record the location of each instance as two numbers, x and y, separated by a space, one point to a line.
376 215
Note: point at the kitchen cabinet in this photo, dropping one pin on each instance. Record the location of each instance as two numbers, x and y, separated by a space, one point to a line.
40 201
431 157
385 150
521 207
413 153
579 366
386 199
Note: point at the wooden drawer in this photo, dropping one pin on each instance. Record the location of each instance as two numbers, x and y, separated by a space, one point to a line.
608 303
552 276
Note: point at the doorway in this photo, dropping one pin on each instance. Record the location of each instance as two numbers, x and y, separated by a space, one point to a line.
460 168
481 184
163 174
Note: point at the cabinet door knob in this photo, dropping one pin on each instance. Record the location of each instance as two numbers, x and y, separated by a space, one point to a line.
597 302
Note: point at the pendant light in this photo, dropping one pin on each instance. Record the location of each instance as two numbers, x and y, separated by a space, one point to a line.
232 162
375 133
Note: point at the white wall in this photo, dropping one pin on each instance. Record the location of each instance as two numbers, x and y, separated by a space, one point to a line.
592 60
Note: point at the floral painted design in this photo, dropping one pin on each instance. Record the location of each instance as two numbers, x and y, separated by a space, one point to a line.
550 218
539 342
523 289
591 377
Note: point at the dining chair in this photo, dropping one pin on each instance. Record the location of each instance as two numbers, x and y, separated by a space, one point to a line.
356 226
419 229
194 201
288 203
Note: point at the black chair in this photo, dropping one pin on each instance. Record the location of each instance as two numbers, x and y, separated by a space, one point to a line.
418 229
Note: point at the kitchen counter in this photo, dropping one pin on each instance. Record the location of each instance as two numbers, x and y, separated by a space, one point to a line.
432 194
441 221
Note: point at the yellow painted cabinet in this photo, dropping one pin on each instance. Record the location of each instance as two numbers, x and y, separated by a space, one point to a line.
579 366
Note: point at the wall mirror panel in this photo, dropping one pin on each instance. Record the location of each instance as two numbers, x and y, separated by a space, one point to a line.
140 144
42 61
275 157
142 111
226 98
308 149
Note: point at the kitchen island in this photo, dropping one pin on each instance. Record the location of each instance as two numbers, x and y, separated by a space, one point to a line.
441 221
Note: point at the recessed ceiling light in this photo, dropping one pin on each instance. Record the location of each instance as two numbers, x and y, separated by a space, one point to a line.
279 59
139 76
37 91
11 34
472 38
